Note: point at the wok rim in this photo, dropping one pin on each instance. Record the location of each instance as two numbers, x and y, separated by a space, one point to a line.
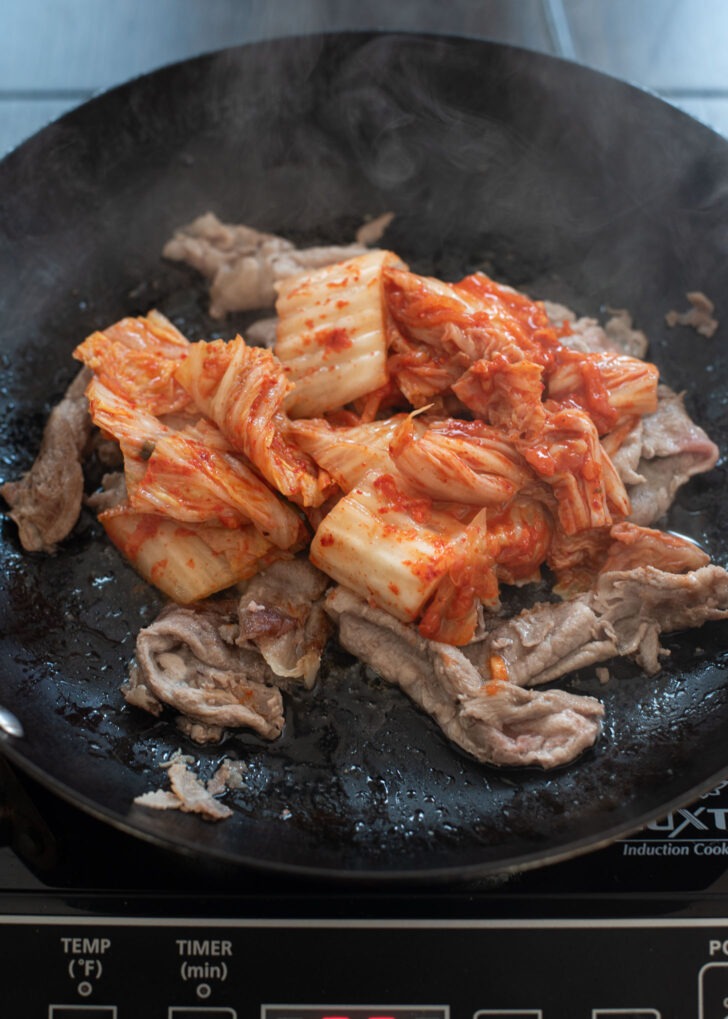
462 872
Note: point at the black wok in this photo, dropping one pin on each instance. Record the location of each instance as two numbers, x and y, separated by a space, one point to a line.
546 174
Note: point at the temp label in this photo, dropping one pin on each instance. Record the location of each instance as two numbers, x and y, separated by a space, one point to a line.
85 957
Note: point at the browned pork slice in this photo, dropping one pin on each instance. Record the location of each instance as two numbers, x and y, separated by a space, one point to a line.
545 642
244 264
193 796
263 332
626 460
183 661
281 615
45 503
228 775
641 604
623 615
372 231
672 450
111 492
496 722
159 799
699 316
187 792
590 337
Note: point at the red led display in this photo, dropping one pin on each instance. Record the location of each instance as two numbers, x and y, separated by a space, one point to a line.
353 1012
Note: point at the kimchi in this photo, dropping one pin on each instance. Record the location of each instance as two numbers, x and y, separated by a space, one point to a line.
425 441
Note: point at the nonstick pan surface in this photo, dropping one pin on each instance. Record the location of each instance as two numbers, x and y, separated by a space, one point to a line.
552 177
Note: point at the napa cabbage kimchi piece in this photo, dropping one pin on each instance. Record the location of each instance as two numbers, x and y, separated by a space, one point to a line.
332 333
195 517
243 390
136 358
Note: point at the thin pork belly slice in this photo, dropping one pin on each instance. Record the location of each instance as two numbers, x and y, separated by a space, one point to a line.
497 722
673 449
187 792
244 264
184 662
545 642
623 615
642 603
194 798
281 615
46 502
589 336
699 316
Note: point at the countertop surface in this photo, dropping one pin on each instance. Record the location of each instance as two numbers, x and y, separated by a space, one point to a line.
55 54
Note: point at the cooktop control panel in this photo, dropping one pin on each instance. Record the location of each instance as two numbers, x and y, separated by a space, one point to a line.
81 967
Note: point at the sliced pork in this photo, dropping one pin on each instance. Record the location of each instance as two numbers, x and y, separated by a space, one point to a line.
229 775
590 337
263 332
184 662
699 316
496 722
46 502
545 642
626 460
281 615
244 264
672 450
193 796
111 492
189 794
623 615
643 603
